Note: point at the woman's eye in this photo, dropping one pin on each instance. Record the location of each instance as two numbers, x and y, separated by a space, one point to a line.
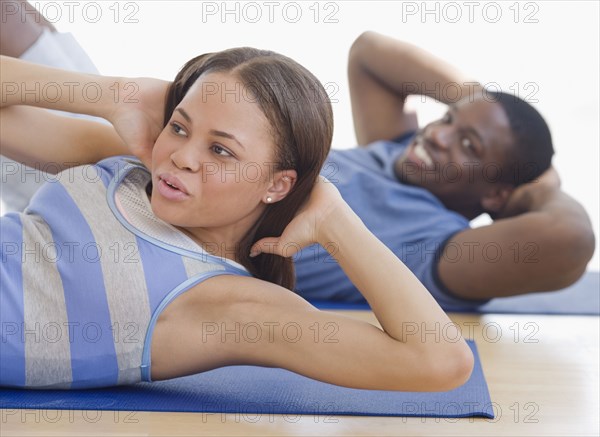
220 150
178 130
447 118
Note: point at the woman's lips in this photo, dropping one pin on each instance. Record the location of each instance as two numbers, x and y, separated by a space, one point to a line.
170 192
173 181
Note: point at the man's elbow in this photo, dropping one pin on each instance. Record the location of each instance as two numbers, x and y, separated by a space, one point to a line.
365 49
357 50
581 243
584 245
362 40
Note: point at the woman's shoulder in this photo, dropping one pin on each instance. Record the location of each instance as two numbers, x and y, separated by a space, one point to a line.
80 188
227 290
81 176
116 164
105 170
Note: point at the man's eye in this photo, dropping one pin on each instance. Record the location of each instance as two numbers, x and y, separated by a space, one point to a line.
447 118
468 144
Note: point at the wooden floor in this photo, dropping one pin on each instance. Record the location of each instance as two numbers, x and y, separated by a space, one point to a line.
542 372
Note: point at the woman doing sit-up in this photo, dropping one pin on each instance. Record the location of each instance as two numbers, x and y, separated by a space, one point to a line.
178 262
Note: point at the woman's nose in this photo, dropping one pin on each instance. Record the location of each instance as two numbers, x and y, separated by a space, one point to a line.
185 158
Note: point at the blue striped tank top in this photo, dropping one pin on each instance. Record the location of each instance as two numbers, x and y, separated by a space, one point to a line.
85 272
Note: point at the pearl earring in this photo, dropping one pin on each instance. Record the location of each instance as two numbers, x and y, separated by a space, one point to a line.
269 199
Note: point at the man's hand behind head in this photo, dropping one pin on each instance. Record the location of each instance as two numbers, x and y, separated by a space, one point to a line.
531 195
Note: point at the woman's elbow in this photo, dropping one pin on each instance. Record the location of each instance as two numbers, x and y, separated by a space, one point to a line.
454 368
442 368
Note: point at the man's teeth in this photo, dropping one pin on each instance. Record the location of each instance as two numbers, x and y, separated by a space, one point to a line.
422 153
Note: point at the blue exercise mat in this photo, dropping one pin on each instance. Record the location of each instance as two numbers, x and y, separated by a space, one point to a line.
581 298
261 390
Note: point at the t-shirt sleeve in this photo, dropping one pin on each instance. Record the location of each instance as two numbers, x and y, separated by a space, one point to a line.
428 273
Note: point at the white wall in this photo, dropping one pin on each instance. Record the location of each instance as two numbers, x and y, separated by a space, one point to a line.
549 49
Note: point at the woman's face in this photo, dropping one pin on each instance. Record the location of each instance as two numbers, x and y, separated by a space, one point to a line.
219 154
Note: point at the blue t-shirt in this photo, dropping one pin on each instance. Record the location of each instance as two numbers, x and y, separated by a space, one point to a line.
409 220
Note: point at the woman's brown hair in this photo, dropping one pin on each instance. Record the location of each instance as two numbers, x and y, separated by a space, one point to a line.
301 118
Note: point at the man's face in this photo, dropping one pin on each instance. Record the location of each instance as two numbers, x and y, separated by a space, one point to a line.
460 157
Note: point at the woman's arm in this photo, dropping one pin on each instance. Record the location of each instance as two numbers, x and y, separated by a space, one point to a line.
26 83
40 139
135 107
419 349
396 296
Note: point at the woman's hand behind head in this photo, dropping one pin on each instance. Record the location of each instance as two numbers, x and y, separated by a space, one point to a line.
139 114
307 226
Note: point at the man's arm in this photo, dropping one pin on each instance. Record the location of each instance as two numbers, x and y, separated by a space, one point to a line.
383 72
543 241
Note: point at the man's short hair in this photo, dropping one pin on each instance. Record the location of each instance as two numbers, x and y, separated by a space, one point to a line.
532 143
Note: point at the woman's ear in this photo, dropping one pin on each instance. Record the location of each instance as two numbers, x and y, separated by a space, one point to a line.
282 183
496 198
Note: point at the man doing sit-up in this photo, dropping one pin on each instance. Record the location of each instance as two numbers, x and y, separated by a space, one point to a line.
418 189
